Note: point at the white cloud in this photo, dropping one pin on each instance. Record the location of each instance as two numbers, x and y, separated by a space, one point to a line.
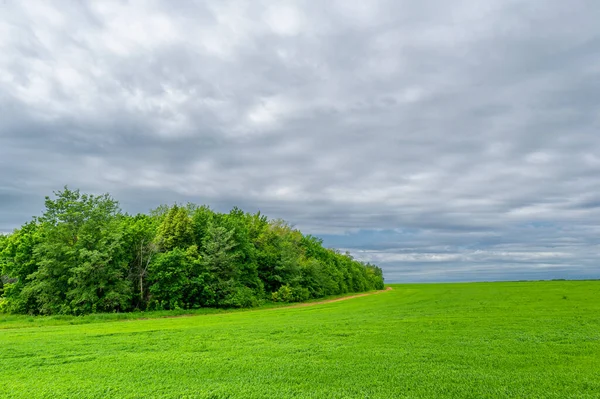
472 124
285 19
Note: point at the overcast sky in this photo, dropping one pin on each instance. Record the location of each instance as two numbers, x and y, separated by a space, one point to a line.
442 140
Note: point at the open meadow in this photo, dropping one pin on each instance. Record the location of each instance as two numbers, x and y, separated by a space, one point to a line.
468 340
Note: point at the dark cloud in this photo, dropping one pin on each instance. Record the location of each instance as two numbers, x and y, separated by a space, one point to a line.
443 140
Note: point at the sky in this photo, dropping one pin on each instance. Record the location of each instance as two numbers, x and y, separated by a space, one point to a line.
441 140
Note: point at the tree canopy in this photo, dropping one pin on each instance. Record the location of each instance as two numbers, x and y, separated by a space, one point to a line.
84 255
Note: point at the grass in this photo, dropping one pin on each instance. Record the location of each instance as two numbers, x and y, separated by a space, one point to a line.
474 340
21 321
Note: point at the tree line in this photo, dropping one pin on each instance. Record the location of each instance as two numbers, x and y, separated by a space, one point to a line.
84 255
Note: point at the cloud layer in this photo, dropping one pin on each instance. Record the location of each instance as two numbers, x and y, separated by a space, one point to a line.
442 140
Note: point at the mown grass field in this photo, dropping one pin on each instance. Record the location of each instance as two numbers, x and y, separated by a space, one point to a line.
477 340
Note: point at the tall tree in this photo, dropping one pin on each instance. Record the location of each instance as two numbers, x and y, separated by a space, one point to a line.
143 245
3 240
176 229
171 275
219 255
80 256
18 263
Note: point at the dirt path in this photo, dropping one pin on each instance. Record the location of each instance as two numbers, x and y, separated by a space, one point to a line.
298 305
304 304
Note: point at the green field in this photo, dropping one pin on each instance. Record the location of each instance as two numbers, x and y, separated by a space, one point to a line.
475 340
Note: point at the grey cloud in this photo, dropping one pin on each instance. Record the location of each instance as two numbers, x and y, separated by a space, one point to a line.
466 123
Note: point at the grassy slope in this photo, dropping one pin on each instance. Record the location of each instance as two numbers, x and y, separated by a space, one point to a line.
24 321
526 340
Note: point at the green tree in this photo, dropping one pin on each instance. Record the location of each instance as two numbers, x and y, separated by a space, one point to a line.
172 274
202 217
18 262
219 256
176 229
245 251
280 255
221 261
143 245
80 258
3 240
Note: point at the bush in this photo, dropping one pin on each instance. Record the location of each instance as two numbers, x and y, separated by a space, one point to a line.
290 294
240 297
283 294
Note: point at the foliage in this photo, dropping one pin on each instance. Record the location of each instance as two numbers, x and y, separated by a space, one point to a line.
476 340
175 230
83 255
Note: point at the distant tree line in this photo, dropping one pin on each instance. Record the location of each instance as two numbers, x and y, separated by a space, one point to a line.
84 255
